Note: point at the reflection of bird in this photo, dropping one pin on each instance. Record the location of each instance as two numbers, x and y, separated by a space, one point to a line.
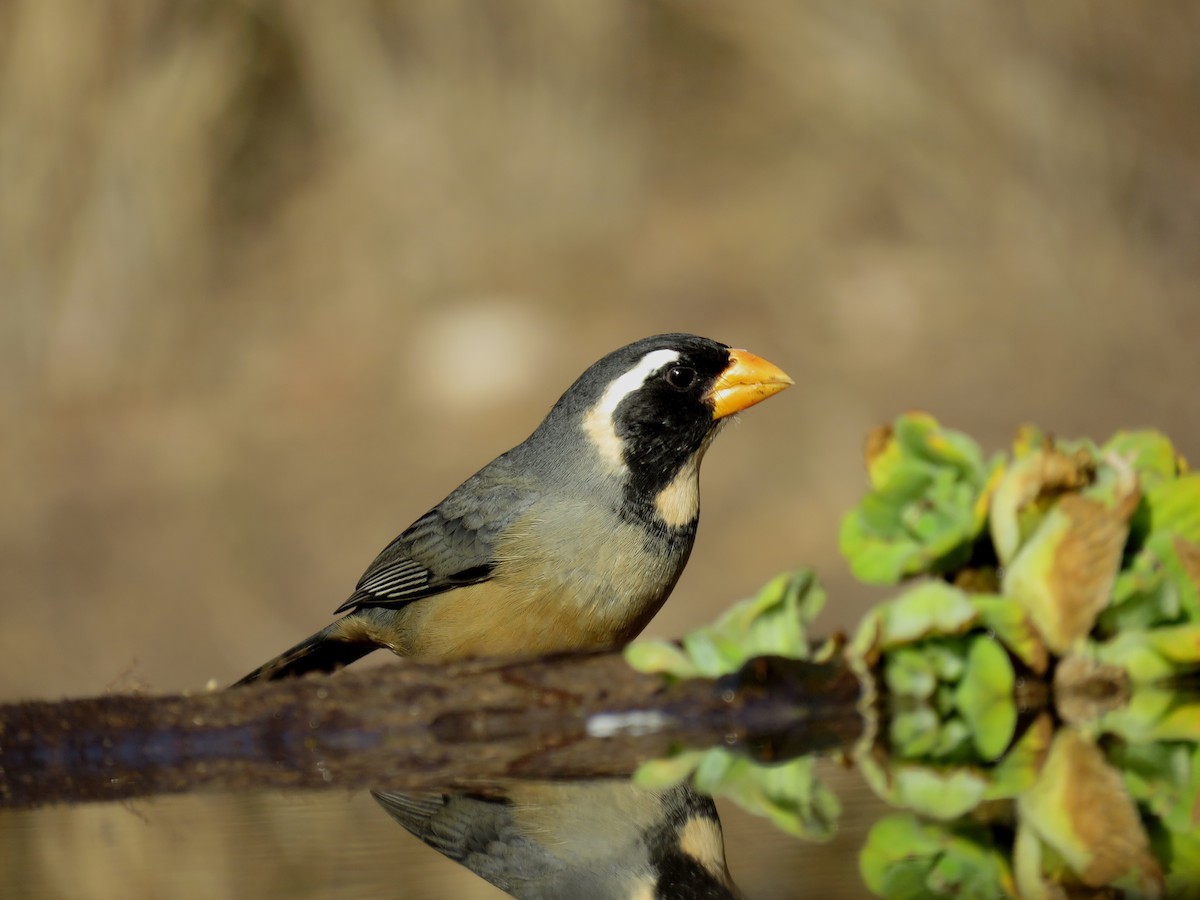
572 539
588 841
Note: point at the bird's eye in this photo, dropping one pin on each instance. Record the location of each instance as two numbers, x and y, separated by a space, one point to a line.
680 377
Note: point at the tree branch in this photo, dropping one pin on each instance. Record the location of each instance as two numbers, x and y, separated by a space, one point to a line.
418 725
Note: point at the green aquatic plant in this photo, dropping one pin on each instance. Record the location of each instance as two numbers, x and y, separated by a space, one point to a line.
1030 690
1040 681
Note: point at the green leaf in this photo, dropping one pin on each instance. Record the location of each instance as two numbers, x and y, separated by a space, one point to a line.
953 742
930 608
904 857
772 623
1175 507
913 732
1165 778
1149 452
658 774
926 504
937 793
1018 769
790 795
947 658
1181 573
1183 849
661 656
1154 714
1138 653
1015 630
1141 597
985 698
908 672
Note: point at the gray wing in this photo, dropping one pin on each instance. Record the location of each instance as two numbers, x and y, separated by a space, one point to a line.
480 833
453 544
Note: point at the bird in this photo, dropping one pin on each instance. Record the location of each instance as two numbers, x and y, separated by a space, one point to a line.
574 538
601 840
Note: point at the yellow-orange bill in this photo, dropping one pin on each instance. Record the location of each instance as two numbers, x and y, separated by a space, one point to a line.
748 379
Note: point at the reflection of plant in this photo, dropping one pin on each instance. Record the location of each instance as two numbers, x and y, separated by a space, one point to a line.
910 859
950 682
1088 570
772 623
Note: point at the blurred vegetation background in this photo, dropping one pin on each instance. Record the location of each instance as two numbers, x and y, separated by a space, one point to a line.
275 276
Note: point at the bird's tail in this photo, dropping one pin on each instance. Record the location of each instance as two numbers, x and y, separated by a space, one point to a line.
325 651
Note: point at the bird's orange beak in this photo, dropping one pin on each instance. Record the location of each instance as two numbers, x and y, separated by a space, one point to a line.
748 379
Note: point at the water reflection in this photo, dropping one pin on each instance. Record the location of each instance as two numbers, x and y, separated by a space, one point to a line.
1105 803
306 845
1077 808
607 840
487 727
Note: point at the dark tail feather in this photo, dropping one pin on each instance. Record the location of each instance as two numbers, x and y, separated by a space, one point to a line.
325 651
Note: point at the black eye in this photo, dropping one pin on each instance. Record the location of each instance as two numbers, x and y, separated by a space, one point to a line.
680 377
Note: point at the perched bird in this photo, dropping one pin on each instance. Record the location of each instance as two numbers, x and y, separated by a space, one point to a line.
573 538
603 840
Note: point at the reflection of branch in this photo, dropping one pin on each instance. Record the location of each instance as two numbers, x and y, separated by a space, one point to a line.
416 725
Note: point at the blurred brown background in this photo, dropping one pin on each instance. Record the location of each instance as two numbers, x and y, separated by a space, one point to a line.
276 276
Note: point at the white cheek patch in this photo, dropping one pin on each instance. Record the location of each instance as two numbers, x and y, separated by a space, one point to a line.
598 423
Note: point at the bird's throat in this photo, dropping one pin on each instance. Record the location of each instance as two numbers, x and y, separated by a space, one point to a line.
678 503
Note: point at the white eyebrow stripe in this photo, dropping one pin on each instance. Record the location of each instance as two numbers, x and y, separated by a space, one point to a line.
634 379
598 423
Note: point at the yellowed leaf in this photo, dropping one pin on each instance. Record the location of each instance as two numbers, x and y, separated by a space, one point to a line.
1064 574
1080 807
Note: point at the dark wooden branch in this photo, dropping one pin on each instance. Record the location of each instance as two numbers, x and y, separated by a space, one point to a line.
416 725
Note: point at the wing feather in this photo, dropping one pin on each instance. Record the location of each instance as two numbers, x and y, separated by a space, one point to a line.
452 545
